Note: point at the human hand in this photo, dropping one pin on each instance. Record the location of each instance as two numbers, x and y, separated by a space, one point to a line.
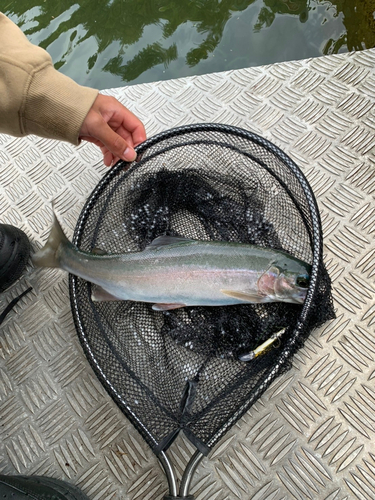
113 128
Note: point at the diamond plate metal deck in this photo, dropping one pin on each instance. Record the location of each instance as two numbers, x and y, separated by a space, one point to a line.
311 435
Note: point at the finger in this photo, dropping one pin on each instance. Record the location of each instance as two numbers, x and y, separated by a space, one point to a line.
107 155
114 161
134 138
139 135
113 141
125 134
108 159
131 124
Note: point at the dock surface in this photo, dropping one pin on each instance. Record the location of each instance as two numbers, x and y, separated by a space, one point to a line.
312 433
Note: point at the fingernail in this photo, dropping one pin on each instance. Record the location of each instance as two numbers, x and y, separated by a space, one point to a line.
130 154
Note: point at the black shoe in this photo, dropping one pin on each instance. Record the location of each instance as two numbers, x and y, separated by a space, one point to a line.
14 253
39 488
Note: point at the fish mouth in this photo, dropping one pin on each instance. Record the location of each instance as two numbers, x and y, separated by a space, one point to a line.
300 298
299 295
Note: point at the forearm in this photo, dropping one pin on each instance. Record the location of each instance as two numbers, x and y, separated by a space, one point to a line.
34 97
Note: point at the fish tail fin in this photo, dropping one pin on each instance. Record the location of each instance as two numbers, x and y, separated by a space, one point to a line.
48 255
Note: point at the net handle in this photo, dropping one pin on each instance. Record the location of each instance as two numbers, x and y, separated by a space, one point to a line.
185 480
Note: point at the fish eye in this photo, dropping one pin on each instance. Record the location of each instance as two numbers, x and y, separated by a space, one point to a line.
303 281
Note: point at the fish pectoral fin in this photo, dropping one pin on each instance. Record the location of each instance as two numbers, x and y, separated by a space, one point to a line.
98 294
165 240
167 307
245 296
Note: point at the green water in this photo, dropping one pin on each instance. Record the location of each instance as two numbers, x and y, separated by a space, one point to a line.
113 43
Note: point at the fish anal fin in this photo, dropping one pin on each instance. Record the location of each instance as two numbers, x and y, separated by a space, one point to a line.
99 251
244 296
167 307
98 294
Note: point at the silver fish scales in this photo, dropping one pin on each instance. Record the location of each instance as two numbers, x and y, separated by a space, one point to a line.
177 272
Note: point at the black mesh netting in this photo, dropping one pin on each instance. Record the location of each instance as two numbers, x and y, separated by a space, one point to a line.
180 369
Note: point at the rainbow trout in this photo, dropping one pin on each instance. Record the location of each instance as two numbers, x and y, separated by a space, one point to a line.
176 272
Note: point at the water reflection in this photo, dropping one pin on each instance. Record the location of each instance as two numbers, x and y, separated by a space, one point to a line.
271 8
109 43
359 21
358 18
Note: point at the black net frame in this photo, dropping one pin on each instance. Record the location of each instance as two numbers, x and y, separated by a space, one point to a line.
158 407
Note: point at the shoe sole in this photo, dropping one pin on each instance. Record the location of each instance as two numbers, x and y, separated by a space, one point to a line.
22 249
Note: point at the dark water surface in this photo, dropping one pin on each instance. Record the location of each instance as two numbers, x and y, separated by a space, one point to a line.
112 43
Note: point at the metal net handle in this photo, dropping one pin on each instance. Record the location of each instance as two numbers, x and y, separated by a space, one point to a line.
185 480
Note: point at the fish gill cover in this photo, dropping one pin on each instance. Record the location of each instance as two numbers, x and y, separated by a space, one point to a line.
182 369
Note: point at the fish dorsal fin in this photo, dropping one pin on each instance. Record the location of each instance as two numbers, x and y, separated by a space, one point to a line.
166 240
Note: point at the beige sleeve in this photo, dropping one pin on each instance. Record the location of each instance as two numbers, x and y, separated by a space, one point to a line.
34 97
